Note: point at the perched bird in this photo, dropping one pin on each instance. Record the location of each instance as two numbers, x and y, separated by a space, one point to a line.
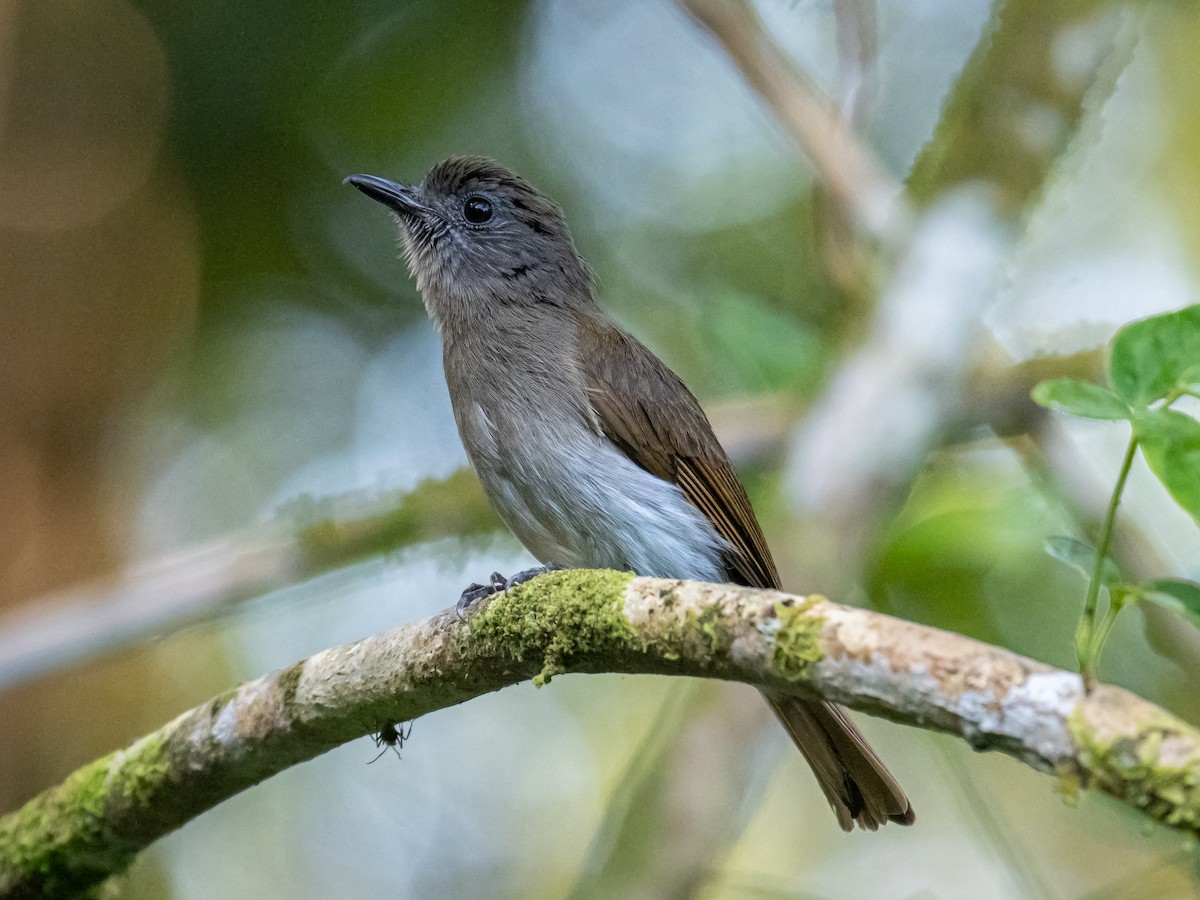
592 451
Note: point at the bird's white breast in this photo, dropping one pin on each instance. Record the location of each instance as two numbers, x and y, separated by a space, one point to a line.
573 498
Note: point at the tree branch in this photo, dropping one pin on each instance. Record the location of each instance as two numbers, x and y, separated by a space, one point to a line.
308 536
93 824
868 196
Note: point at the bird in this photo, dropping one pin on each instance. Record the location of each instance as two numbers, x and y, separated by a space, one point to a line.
593 452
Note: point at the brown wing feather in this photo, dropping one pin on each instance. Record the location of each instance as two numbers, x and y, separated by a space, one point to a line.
676 444
711 486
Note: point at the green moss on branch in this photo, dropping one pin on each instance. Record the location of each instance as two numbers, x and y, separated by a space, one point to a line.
1156 770
554 619
63 842
798 641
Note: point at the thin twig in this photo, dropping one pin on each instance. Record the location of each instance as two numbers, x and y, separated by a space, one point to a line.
871 199
197 583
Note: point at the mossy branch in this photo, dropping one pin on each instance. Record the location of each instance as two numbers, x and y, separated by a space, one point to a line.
92 825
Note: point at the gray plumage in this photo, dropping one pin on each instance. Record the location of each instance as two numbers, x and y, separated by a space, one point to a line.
592 451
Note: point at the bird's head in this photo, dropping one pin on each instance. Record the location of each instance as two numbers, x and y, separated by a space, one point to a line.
476 235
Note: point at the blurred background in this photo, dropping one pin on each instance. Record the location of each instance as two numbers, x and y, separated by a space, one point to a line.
225 442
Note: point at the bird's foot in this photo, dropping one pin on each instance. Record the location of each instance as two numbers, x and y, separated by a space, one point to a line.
530 574
476 592
497 583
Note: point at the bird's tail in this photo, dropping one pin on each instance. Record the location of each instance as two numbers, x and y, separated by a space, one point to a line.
856 783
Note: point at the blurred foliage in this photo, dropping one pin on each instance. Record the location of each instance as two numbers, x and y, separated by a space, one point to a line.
1019 101
966 554
1175 31
340 531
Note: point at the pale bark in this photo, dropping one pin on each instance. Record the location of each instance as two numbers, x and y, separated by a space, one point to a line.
94 823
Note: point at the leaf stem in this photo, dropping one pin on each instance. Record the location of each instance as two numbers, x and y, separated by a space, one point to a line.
1106 624
1089 641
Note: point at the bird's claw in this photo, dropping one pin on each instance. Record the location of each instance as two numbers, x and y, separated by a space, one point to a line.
496 584
529 574
476 592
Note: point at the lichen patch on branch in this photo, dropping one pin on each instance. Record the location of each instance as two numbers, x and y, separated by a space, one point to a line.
798 638
1155 767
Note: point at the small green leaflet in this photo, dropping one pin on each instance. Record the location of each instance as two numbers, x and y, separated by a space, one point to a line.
1170 441
1155 356
1080 398
1181 596
1081 556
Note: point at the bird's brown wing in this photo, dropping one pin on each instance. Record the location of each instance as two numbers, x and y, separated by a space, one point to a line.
647 412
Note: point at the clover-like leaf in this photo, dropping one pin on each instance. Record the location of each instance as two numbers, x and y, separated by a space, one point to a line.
1176 594
1081 556
1153 357
1170 442
1189 379
1080 398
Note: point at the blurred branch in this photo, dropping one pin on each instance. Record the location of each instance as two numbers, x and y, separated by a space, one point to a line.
1016 107
848 260
308 537
666 828
853 456
69 626
1012 113
93 824
858 47
869 197
1021 98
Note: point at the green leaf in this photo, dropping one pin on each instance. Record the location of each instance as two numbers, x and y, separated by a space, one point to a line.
1191 376
1080 398
1171 444
1081 556
1181 596
1153 357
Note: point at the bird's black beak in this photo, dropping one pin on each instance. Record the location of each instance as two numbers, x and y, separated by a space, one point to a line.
398 197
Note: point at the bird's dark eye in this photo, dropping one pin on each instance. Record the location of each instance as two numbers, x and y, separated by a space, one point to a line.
477 210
